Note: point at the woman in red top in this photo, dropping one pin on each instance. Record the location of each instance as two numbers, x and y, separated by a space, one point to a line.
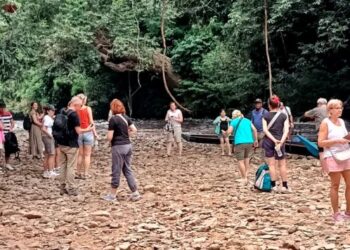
86 139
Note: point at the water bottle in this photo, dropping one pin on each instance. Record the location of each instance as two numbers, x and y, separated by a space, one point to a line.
278 150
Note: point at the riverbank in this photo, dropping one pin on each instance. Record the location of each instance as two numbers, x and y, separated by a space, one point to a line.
192 202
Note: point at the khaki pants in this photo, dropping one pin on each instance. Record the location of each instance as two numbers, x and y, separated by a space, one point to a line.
68 163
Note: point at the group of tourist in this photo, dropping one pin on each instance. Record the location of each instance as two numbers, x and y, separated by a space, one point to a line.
270 130
42 143
69 137
267 130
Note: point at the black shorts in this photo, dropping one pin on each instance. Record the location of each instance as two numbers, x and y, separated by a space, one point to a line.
7 154
269 148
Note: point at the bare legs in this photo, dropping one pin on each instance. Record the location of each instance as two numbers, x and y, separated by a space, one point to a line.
80 166
49 162
244 167
222 145
272 167
84 160
224 141
346 176
335 182
170 145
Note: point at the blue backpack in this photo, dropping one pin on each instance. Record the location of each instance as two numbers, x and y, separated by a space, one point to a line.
263 178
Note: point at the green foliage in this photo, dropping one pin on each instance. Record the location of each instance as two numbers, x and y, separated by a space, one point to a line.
48 52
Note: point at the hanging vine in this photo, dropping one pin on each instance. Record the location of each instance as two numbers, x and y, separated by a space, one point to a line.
266 34
162 30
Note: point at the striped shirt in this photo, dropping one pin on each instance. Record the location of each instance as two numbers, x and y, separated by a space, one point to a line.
6 120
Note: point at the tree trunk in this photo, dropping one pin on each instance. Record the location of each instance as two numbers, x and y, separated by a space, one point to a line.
130 96
266 33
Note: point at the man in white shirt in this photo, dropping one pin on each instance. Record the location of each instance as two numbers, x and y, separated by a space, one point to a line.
174 119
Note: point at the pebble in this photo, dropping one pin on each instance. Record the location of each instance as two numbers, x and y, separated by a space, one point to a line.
192 202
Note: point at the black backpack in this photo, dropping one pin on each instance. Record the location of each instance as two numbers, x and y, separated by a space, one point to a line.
27 123
11 144
60 131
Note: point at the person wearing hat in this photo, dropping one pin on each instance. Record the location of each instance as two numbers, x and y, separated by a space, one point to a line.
257 117
7 124
318 113
49 142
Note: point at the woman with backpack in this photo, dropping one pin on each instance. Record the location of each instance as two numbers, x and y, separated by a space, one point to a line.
221 126
276 129
245 138
335 139
86 139
119 130
49 142
35 139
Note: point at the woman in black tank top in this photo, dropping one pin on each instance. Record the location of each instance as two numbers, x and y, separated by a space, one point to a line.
276 129
221 126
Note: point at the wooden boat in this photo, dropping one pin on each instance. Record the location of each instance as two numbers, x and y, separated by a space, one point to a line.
291 147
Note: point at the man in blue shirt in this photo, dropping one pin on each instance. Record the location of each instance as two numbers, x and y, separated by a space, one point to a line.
256 118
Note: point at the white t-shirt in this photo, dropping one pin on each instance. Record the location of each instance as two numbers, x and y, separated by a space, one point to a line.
48 123
171 115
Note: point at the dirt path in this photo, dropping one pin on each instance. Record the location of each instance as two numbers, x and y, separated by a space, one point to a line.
193 202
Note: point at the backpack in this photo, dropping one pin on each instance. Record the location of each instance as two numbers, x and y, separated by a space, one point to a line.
11 144
60 131
27 123
263 178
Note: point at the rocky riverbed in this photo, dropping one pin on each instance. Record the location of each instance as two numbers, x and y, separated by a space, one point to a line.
192 202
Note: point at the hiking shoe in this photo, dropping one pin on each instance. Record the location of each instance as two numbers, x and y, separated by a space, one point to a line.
337 217
57 170
53 174
285 190
110 197
135 196
72 192
346 216
9 167
275 189
79 177
46 174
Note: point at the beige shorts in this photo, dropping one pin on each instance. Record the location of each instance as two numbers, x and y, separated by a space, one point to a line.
49 145
1 146
175 135
243 151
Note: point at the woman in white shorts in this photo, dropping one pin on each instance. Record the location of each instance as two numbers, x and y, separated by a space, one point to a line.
49 142
174 119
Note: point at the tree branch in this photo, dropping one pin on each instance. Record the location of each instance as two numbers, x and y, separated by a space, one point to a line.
162 20
266 33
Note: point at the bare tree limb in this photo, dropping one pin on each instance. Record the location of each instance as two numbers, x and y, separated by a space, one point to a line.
162 30
139 86
266 33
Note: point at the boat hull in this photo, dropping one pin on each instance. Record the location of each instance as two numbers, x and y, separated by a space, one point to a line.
291 147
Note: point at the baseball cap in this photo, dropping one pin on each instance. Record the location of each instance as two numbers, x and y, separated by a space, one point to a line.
258 100
50 107
322 101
